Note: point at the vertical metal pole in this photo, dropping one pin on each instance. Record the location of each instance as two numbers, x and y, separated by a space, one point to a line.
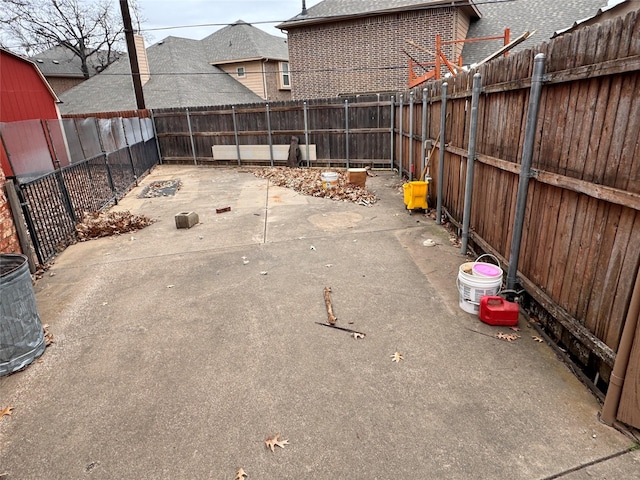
235 133
400 135
112 183
155 136
269 132
55 159
133 167
443 125
346 129
19 221
423 144
411 162
193 145
471 157
306 132
525 170
393 129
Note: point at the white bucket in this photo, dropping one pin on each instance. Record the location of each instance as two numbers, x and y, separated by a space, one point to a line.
473 287
329 180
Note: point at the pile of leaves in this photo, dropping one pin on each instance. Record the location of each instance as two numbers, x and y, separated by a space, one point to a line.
105 224
308 182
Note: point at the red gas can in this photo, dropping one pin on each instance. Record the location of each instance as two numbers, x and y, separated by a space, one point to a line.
497 311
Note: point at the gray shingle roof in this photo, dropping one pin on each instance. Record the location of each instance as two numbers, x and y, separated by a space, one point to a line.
544 16
61 62
181 76
241 40
341 8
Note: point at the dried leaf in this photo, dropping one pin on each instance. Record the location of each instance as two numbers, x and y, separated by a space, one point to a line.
272 442
515 329
5 411
396 357
507 337
537 339
357 335
48 336
241 474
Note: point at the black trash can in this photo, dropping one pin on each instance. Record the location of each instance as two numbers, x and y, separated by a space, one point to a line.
21 334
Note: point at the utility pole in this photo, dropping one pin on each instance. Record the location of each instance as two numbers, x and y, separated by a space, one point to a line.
133 56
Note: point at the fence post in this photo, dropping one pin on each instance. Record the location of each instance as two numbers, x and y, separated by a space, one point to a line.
443 125
525 169
471 157
393 129
19 222
400 135
193 145
269 133
423 145
306 131
235 133
346 129
133 166
49 139
106 163
155 136
411 159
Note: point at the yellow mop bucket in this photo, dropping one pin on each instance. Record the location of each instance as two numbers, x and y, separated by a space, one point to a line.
415 195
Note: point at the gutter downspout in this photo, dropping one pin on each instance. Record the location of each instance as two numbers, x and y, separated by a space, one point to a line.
612 400
264 78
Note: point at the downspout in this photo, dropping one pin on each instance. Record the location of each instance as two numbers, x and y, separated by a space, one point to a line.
616 382
264 78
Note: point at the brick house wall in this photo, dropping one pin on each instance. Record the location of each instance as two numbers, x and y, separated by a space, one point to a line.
8 236
275 91
366 55
62 84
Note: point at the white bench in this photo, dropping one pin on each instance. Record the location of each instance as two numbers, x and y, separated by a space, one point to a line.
260 152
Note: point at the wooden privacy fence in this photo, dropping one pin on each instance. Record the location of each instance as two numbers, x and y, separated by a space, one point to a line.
580 250
346 132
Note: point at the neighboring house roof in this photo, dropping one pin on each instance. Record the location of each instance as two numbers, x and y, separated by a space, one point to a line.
543 16
611 7
241 41
62 62
335 10
181 76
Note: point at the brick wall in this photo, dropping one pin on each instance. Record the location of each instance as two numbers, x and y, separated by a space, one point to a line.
274 92
8 237
365 55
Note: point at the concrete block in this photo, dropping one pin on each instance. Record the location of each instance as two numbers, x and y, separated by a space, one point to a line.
186 219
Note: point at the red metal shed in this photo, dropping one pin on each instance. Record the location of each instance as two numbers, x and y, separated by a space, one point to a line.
25 95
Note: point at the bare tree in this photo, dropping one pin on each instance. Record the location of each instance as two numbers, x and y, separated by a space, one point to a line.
90 29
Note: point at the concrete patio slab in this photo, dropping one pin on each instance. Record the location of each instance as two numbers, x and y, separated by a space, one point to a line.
178 352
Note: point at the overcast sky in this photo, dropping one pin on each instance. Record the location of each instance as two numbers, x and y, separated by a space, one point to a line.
173 13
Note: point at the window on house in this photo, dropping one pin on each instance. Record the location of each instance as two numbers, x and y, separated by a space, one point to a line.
285 80
241 72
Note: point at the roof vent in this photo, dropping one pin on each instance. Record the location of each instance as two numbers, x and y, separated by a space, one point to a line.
304 8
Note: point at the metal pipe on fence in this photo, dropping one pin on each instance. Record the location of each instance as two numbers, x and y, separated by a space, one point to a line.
155 137
269 132
112 184
471 158
411 164
525 169
130 153
193 145
400 134
443 126
393 130
306 131
235 133
423 144
346 129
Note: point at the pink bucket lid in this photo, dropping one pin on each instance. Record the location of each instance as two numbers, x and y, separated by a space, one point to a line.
486 270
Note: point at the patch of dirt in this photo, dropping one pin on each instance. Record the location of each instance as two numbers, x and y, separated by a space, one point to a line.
161 188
